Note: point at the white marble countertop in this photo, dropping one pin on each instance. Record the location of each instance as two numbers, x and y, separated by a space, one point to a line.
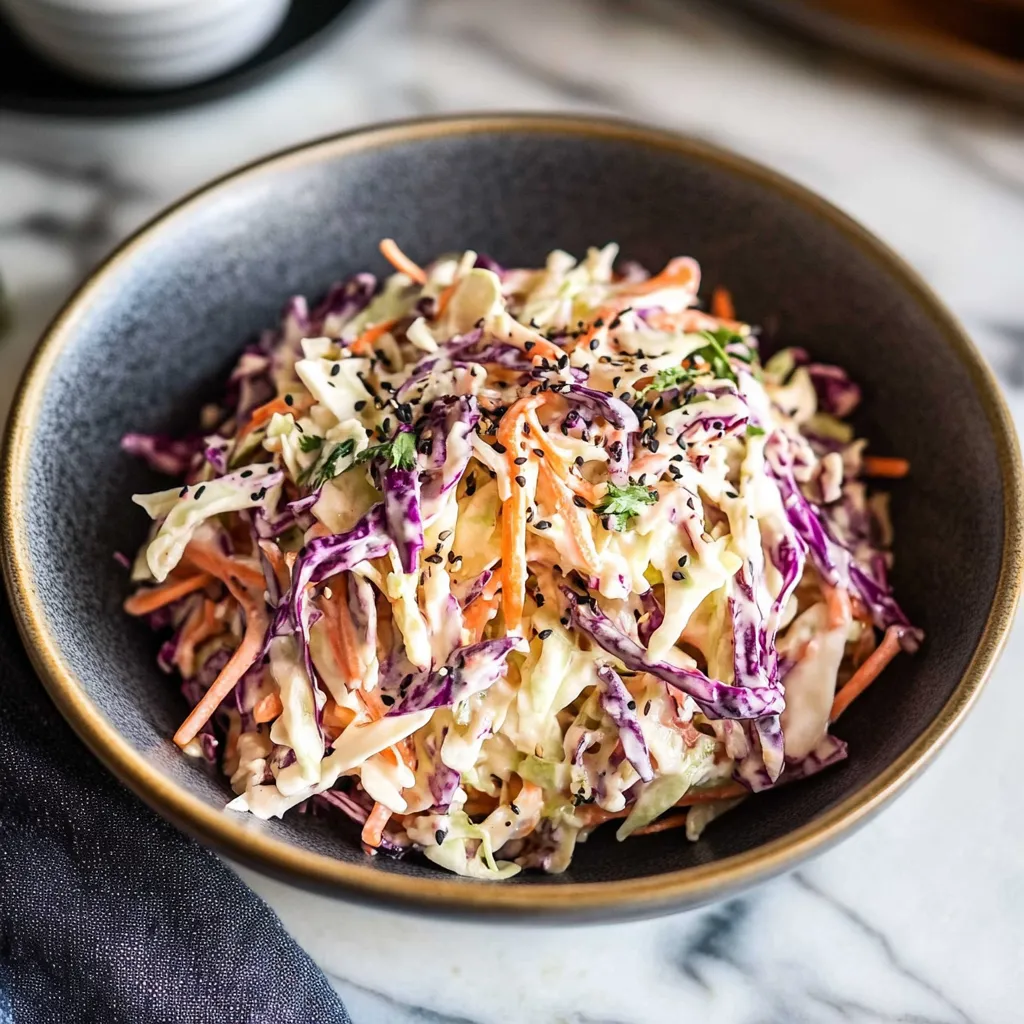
920 916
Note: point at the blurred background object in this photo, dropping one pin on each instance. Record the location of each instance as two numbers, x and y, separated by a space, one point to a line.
89 57
977 45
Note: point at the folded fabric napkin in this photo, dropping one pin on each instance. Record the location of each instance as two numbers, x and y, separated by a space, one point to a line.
109 914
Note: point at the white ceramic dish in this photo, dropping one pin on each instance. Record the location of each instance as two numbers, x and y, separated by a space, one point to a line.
168 44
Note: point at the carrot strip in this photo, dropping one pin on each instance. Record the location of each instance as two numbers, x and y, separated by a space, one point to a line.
513 515
839 607
479 613
267 708
721 304
559 463
200 626
256 623
362 345
887 466
277 563
373 828
152 598
222 566
575 518
679 272
337 717
662 825
868 672
445 297
263 413
390 251
341 632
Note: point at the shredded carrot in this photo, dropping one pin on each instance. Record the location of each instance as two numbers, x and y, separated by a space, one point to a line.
267 708
373 829
662 825
277 563
446 296
365 342
689 321
868 672
679 272
513 517
336 716
262 414
200 625
223 566
478 614
839 608
722 305
885 465
256 623
390 251
152 598
575 518
341 632
559 463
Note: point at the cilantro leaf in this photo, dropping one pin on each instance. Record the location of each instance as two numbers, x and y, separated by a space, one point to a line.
671 377
714 355
310 442
753 431
326 467
400 451
621 504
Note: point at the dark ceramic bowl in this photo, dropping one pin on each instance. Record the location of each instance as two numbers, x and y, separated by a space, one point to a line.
153 333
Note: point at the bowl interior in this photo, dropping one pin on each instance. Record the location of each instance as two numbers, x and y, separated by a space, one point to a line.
156 334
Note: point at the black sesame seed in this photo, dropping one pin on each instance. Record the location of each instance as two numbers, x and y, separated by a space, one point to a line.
578 501
199 491
521 461
245 473
434 559
387 699
538 452
678 576
683 559
545 633
543 524
631 705
360 405
529 345
513 808
288 400
647 708
521 480
335 369
500 448
439 836
444 534
184 490
526 429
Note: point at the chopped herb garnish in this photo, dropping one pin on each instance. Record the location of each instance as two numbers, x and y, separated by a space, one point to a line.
310 442
326 467
400 451
621 504
670 378
753 431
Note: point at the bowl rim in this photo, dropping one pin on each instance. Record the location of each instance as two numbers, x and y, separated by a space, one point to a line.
637 897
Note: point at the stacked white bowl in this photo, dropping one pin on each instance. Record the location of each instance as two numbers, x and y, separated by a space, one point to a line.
146 44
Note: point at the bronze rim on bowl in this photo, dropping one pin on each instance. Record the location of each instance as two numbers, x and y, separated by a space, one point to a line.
630 897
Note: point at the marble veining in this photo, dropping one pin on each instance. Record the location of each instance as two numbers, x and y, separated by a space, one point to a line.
920 916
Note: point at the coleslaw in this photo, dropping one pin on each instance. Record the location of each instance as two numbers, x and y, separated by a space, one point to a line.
482 558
